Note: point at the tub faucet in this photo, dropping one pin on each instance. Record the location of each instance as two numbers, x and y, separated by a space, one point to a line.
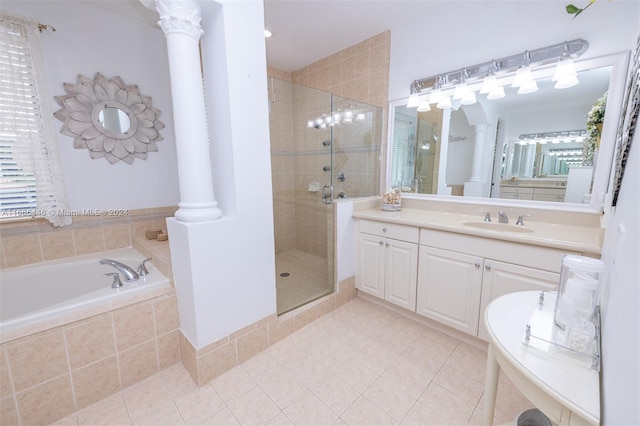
502 217
128 273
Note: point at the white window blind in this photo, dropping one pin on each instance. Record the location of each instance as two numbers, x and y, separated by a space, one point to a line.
31 182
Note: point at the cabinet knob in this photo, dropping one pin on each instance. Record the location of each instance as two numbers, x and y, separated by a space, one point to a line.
387 244
487 267
477 264
384 229
381 243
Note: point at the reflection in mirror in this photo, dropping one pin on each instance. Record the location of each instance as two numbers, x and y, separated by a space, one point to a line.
114 119
437 152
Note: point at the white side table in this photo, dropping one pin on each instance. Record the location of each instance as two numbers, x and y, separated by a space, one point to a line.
564 389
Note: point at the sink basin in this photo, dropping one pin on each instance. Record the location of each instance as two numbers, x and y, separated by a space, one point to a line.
500 227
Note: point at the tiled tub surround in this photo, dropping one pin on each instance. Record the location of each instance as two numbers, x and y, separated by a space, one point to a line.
33 241
48 375
39 297
48 370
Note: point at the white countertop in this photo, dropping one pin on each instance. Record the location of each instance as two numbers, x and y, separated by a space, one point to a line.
568 380
587 240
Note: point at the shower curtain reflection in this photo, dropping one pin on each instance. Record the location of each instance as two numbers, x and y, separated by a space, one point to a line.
320 143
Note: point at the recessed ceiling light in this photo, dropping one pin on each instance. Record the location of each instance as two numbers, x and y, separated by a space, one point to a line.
267 33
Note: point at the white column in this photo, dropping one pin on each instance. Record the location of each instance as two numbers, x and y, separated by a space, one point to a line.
180 21
478 151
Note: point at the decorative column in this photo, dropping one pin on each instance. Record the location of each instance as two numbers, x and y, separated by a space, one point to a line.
180 22
478 147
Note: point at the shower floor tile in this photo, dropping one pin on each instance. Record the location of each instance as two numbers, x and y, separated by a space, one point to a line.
369 368
307 279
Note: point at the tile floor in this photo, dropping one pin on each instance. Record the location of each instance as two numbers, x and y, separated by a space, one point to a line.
358 365
307 279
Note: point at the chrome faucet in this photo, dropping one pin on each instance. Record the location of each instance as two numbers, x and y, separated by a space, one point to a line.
502 217
128 273
520 220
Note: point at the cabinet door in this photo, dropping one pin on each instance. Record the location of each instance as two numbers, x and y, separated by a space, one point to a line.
401 272
501 278
370 277
449 288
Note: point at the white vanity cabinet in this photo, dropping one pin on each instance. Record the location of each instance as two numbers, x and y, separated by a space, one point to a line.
459 275
449 287
388 262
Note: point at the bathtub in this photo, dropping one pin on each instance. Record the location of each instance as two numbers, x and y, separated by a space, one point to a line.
37 297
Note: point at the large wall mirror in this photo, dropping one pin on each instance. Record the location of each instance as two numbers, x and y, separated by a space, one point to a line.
534 147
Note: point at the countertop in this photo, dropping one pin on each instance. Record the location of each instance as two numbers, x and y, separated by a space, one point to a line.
565 378
587 240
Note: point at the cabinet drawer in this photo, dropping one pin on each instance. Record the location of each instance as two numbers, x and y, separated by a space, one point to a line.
550 191
390 230
515 189
545 258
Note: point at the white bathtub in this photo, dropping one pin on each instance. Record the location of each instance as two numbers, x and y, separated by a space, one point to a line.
36 297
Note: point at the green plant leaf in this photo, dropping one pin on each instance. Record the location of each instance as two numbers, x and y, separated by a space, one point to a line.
571 9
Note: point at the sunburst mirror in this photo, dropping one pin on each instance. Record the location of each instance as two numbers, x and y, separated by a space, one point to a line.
109 118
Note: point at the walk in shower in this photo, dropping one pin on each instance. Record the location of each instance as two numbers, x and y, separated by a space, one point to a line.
323 147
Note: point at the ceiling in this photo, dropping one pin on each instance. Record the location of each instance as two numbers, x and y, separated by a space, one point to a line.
305 31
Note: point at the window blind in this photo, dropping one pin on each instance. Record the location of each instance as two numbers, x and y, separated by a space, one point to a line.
30 176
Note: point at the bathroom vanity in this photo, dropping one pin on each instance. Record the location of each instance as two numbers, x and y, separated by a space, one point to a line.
449 266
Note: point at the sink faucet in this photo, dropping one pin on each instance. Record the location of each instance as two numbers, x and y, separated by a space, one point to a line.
128 273
502 217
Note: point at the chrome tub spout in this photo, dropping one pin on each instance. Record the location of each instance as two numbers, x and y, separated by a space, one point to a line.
128 273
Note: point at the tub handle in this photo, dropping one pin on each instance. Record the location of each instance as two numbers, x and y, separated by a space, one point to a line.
116 279
142 270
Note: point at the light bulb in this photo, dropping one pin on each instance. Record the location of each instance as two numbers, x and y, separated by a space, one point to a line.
424 106
489 83
497 93
470 98
413 101
528 87
435 96
444 103
461 91
523 76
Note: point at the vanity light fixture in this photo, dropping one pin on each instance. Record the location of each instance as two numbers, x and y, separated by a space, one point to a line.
566 136
495 74
565 75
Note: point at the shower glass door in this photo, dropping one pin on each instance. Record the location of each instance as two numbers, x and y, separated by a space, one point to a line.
322 148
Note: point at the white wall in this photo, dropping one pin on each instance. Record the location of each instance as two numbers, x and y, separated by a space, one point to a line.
621 302
225 269
463 33
90 38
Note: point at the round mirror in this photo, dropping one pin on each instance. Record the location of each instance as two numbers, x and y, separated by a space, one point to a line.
115 120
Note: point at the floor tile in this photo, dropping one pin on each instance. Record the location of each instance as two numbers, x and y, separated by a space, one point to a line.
281 386
308 409
365 412
335 393
393 400
254 408
233 384
361 364
199 404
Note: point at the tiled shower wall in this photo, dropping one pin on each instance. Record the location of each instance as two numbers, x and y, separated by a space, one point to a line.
359 74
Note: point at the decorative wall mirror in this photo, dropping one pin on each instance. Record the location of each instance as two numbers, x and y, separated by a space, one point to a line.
109 118
504 121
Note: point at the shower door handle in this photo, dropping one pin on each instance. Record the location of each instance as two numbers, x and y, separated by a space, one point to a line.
327 194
